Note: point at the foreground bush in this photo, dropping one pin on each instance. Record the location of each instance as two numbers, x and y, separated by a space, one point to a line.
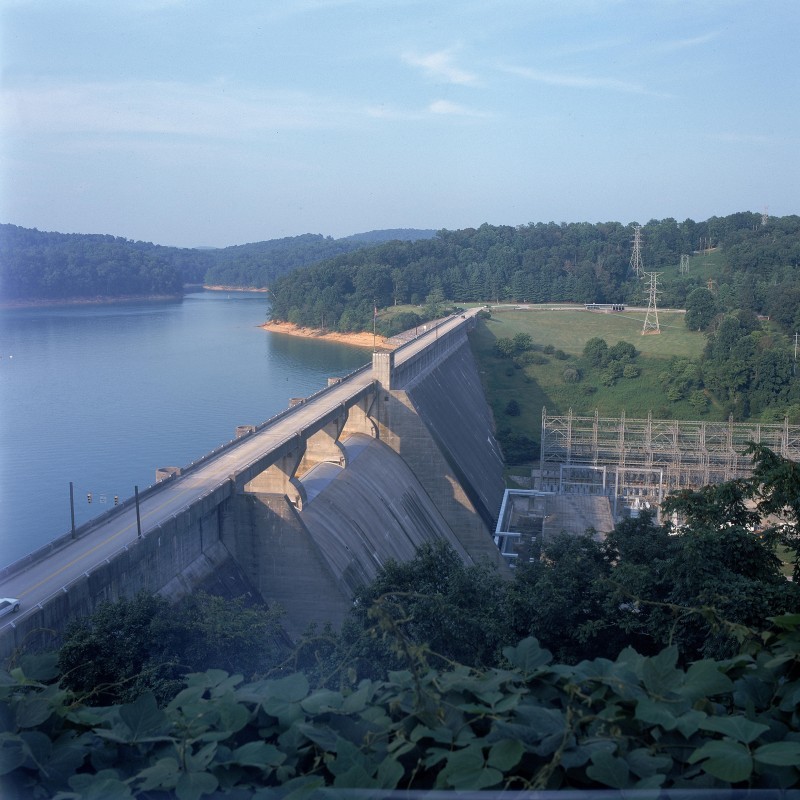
636 721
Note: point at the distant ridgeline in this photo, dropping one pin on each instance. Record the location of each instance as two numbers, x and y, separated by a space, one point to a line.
751 263
36 265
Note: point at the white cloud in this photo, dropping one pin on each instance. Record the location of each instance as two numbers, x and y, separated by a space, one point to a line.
572 81
682 44
446 107
167 108
440 67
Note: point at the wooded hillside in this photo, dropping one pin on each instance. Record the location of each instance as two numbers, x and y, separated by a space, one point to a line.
37 265
543 262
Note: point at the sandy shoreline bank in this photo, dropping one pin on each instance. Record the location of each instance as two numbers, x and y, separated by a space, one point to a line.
356 339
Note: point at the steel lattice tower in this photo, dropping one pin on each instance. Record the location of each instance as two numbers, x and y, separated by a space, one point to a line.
651 318
636 255
684 268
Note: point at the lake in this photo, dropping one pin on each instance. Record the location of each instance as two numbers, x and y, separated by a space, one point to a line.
103 395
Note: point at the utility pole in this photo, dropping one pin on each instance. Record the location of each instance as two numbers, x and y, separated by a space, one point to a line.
651 319
138 518
72 488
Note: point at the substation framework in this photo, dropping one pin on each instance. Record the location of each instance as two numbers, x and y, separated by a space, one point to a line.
648 458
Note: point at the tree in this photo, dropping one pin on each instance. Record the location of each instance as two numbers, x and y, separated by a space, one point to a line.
129 646
522 342
595 351
621 351
776 486
701 308
512 408
504 347
433 605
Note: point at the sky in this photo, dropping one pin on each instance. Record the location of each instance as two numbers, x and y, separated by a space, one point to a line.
210 123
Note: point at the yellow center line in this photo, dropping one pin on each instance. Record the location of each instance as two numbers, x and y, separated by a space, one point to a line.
96 547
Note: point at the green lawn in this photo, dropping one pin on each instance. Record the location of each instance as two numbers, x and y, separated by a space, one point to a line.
543 385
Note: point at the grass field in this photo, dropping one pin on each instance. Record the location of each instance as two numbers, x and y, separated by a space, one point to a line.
543 385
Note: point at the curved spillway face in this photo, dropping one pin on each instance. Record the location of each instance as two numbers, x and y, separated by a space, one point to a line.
373 511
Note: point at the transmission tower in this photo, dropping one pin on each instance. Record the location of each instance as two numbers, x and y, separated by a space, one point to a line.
765 216
651 318
684 268
636 255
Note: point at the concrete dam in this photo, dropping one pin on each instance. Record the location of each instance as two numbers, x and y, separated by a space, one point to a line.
300 510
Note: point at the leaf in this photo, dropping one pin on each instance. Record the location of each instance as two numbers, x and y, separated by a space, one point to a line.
505 754
465 769
357 701
12 753
644 763
654 712
193 785
527 656
390 773
32 711
143 717
41 667
281 698
659 673
258 754
105 785
321 701
739 728
609 770
162 775
704 679
726 760
689 723
779 754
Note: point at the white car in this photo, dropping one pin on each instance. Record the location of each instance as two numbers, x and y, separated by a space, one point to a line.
8 605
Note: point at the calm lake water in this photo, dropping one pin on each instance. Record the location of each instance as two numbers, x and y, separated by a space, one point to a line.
104 395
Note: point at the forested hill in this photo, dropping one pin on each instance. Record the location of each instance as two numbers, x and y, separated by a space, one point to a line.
260 263
543 262
37 265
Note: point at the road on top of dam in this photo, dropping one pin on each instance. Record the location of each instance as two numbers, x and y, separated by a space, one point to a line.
45 577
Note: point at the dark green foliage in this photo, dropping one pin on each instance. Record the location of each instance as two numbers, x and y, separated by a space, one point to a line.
398 323
56 266
130 646
433 605
517 447
622 351
504 347
595 351
776 487
522 342
35 265
512 408
701 308
628 723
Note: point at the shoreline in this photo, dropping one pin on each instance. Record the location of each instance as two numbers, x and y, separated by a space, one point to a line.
363 339
98 300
